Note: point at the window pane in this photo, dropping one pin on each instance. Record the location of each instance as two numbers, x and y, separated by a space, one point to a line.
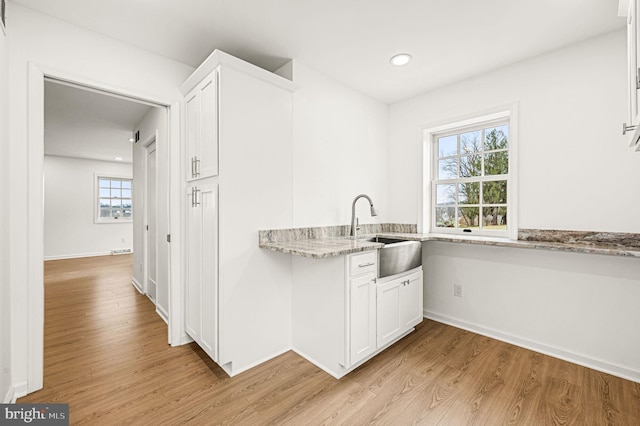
116 183
126 184
469 193
116 192
470 165
126 193
105 183
116 203
470 142
496 163
445 194
105 212
105 202
117 213
448 146
127 213
494 192
468 217
448 169
126 204
445 217
496 137
494 218
105 192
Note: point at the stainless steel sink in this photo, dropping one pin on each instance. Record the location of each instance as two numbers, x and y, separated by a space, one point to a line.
397 256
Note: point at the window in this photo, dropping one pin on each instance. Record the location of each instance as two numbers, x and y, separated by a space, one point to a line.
113 199
470 177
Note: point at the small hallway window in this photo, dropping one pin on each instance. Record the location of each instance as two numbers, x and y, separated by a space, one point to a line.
114 202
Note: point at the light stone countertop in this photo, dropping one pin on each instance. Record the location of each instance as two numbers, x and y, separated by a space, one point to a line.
318 243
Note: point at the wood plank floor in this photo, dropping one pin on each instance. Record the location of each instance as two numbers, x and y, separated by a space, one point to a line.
106 354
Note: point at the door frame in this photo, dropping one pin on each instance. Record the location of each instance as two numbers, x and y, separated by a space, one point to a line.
36 75
145 244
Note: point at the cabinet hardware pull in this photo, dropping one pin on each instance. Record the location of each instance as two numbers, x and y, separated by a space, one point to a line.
192 195
363 265
196 202
638 79
197 167
626 128
193 170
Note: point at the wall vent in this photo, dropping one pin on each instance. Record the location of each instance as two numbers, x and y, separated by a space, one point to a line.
121 251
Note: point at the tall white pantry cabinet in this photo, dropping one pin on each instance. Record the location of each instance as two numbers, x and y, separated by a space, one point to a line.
238 142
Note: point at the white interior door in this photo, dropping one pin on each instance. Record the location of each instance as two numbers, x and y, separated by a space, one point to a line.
151 222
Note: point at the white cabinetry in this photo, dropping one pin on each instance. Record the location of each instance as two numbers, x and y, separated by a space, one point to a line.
633 81
340 309
237 122
362 306
201 129
201 272
398 307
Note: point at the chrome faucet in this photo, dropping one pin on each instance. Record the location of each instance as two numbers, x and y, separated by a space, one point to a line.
353 212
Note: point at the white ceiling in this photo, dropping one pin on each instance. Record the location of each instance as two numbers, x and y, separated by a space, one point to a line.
350 40
84 124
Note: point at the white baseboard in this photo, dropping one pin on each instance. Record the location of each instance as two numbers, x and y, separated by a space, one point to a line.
77 255
137 285
574 357
162 313
10 396
234 372
20 389
185 339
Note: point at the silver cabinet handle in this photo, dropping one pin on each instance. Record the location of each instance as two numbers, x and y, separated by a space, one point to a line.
364 265
197 173
194 196
626 128
196 202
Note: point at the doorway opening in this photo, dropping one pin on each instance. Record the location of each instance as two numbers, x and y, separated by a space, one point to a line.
166 148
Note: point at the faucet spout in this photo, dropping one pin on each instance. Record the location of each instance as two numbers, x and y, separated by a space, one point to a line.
353 212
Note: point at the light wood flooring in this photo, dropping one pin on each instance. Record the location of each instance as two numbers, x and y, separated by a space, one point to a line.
106 354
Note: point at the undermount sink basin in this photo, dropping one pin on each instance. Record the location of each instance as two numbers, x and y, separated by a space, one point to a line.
397 256
385 240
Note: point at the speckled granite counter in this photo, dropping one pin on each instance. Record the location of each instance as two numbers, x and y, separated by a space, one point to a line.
321 242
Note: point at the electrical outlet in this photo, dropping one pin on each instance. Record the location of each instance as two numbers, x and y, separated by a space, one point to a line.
457 290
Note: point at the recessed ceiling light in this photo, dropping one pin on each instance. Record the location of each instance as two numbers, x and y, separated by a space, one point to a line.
117 158
132 140
400 59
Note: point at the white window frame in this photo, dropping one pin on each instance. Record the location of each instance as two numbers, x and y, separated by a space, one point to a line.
96 199
427 222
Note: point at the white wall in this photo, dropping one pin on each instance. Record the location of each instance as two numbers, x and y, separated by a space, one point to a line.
72 51
5 305
575 172
69 209
340 151
156 119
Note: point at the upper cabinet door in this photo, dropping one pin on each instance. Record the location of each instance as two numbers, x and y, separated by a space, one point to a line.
202 129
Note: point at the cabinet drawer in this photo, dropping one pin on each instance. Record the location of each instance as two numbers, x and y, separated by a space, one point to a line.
364 263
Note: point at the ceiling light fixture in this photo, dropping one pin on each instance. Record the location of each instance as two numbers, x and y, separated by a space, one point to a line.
132 140
400 59
117 158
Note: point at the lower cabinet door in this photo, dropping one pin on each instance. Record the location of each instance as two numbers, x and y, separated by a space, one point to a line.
411 311
202 267
362 317
388 312
398 307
